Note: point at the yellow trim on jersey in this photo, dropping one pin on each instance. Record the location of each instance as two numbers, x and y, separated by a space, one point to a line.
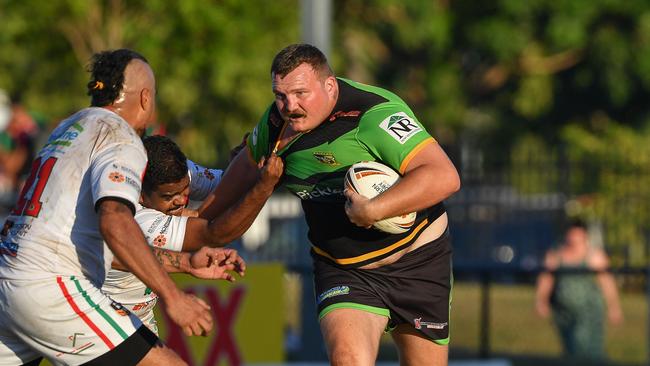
413 152
277 142
376 253
251 157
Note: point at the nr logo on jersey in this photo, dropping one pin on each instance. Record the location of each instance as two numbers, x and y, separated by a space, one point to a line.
326 158
400 126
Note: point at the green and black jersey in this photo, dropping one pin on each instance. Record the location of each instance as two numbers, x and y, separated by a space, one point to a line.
367 124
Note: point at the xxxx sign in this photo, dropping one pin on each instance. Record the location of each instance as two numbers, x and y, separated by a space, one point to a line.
248 320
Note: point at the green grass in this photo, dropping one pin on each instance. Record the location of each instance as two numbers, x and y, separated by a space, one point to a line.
516 330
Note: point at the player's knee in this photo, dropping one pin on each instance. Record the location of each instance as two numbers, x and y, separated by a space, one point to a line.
345 354
341 359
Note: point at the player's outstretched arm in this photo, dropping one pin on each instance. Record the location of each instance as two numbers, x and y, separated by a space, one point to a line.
238 179
125 239
216 264
232 224
206 263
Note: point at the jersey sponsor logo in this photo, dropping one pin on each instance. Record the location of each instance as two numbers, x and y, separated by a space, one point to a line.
400 126
116 177
76 350
160 241
8 248
334 291
146 305
208 174
155 224
133 183
5 228
15 230
419 324
165 226
326 158
126 170
64 139
318 192
339 114
119 308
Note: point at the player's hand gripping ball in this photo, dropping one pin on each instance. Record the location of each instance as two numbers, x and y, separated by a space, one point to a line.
370 179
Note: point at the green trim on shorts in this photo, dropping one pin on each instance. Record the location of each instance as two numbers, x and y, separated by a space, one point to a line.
353 305
101 311
441 342
445 341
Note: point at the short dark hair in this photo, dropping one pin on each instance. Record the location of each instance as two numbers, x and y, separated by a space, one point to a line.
577 224
167 163
295 55
107 75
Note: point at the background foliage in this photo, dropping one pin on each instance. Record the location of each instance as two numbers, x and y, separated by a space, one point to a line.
495 81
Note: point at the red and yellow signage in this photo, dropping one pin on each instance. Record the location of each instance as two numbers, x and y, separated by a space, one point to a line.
248 319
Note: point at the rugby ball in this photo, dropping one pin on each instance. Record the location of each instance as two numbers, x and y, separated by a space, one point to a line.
370 179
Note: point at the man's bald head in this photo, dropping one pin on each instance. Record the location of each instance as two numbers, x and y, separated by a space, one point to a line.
137 76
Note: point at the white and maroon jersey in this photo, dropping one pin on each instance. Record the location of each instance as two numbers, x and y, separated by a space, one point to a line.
202 180
54 228
161 231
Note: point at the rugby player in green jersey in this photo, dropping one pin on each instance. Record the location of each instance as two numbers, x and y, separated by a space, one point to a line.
366 281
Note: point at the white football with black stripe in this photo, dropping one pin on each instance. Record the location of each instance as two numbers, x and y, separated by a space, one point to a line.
369 179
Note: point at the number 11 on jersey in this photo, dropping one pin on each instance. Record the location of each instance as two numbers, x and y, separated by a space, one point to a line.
38 178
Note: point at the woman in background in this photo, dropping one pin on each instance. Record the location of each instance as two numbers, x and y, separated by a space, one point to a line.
573 287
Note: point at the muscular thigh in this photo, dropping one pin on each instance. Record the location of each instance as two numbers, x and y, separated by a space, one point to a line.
352 336
415 349
418 293
351 312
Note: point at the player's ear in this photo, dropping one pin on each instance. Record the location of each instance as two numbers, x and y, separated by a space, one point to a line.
331 86
145 99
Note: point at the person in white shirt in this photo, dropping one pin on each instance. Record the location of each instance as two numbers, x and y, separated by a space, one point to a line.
73 215
170 181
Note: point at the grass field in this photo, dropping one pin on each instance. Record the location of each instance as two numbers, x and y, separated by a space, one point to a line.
516 330
516 333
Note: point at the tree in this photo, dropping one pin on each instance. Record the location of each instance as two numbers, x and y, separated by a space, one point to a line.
212 60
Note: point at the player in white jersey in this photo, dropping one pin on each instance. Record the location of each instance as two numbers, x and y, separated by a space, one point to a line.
166 188
76 211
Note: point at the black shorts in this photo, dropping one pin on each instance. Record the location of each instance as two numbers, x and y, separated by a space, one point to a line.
414 290
129 352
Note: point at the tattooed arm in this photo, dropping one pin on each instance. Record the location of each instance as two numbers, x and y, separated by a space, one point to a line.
206 263
172 262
